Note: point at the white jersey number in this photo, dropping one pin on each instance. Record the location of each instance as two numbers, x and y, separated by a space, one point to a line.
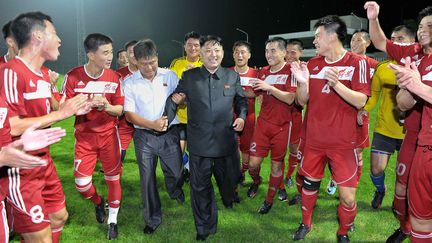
326 89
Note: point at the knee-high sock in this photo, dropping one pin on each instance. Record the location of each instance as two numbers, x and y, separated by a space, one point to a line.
114 197
292 164
274 183
309 199
346 218
254 173
282 185
89 192
299 183
56 234
400 205
420 237
378 181
244 166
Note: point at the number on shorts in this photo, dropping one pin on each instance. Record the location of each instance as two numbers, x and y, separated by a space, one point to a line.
36 214
253 147
326 89
400 169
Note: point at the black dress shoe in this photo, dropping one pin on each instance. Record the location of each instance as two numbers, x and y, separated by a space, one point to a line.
201 237
148 230
181 198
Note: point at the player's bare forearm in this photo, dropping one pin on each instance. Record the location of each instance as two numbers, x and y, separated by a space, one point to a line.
405 100
354 98
283 96
377 35
20 124
114 110
302 94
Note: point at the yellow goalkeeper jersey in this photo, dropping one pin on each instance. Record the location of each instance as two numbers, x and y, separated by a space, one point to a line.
179 65
384 84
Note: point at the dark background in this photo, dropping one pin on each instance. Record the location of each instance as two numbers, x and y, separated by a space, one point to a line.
164 21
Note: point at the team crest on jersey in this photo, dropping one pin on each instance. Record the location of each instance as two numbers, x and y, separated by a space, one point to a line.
80 83
98 87
3 114
43 90
32 84
316 68
276 79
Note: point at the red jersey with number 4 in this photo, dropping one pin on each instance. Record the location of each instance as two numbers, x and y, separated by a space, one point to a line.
272 109
77 81
28 93
332 122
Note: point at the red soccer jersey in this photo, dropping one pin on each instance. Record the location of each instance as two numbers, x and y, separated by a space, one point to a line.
425 135
124 72
246 83
272 109
332 122
372 65
5 140
399 52
28 93
78 81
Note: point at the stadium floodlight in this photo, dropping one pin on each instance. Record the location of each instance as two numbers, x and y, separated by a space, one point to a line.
244 32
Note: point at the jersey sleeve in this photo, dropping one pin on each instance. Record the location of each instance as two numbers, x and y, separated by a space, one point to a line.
129 97
13 90
397 51
118 98
292 87
361 77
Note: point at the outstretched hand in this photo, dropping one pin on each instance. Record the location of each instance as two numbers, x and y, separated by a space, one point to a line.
372 10
300 72
33 139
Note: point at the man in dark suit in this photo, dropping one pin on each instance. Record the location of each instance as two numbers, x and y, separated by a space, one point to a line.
211 93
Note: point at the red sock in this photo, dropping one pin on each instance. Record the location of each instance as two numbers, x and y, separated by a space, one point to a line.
274 183
245 166
254 173
114 190
89 192
292 164
420 237
56 234
400 210
309 199
346 218
299 183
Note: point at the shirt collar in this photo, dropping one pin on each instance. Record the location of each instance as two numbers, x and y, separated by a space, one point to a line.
217 75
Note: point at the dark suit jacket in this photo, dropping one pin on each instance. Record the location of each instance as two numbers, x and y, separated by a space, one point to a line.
210 99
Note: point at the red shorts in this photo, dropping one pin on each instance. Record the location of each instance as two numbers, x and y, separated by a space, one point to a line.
247 133
4 229
419 186
405 157
363 134
126 131
344 164
33 194
268 136
296 126
89 147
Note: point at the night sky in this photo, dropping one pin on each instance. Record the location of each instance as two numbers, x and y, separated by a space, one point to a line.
164 21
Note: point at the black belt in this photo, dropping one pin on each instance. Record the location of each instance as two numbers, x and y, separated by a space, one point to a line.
156 133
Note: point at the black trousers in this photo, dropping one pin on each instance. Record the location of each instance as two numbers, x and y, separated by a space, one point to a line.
148 147
203 200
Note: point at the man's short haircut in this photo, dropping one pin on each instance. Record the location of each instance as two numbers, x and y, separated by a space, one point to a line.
93 41
191 35
295 42
242 43
210 38
6 30
424 13
281 42
23 25
120 51
404 28
365 33
129 44
333 24
145 49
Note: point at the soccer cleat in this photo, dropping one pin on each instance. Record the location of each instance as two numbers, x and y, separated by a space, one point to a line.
265 207
295 200
377 199
343 238
301 232
252 191
112 231
288 182
331 187
283 196
100 211
397 237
